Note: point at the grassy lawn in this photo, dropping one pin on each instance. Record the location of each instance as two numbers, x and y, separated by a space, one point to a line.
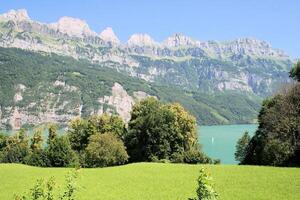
143 181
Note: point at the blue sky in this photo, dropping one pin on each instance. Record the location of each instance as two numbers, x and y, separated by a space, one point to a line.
276 21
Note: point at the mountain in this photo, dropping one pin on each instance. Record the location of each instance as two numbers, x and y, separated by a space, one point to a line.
198 72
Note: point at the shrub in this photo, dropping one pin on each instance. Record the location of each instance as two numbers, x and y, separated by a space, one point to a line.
45 190
205 190
16 148
177 157
105 150
195 156
38 158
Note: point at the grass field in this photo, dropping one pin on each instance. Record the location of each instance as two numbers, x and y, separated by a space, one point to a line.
143 181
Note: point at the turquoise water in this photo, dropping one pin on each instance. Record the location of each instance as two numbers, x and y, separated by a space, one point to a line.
219 141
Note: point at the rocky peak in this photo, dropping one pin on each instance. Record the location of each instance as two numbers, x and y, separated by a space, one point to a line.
15 15
141 40
178 40
72 27
108 35
255 47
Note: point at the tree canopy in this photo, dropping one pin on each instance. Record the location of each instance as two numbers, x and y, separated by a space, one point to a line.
295 72
277 140
159 131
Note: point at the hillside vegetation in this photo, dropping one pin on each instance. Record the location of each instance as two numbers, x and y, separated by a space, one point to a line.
69 87
161 181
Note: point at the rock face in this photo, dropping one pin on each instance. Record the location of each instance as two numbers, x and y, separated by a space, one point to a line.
72 27
15 15
179 40
141 40
108 35
119 102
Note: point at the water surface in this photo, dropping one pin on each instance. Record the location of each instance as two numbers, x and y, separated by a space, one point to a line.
219 141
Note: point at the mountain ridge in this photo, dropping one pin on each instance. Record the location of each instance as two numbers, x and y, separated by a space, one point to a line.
199 71
68 24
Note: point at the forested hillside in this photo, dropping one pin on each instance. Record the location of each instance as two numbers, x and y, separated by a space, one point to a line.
43 87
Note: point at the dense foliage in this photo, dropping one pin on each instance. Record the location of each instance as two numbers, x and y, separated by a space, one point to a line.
242 147
105 150
295 72
159 131
277 140
156 132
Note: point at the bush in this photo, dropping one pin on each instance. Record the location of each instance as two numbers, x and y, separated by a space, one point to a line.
105 150
38 158
45 190
205 190
60 153
177 157
16 148
195 156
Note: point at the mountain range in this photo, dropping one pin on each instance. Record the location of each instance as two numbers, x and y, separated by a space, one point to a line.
198 72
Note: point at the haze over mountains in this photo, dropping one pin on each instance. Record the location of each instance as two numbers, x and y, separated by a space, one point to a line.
247 66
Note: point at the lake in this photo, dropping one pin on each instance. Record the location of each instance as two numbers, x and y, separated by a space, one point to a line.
219 141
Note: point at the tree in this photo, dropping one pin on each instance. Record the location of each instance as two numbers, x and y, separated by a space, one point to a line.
160 131
37 140
105 150
60 153
277 140
295 72
16 148
242 147
52 132
78 134
107 123
3 138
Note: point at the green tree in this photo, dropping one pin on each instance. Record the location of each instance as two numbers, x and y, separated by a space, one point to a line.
16 148
107 123
52 132
105 150
277 140
78 134
295 72
242 147
3 138
60 153
160 131
37 139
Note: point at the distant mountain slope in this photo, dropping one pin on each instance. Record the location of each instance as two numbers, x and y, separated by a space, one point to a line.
37 88
245 64
68 70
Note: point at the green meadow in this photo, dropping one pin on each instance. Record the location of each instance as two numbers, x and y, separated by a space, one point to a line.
142 181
